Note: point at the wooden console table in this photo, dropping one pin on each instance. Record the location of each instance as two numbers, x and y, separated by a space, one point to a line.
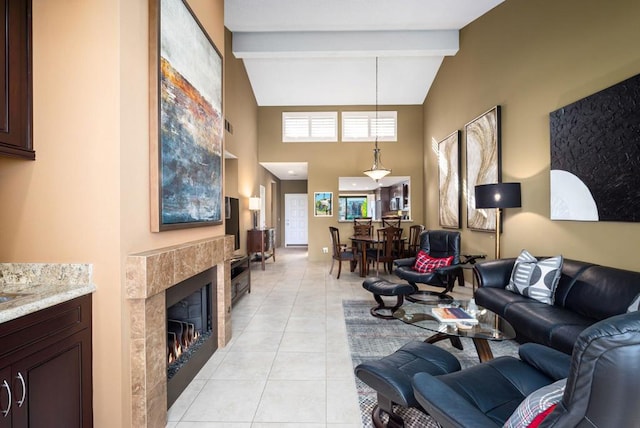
261 241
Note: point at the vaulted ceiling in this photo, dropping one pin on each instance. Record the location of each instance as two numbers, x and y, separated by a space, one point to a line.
323 52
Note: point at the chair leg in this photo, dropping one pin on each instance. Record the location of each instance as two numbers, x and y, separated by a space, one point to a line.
332 262
339 268
385 406
375 311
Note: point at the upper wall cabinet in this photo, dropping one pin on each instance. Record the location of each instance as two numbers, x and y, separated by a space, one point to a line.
15 76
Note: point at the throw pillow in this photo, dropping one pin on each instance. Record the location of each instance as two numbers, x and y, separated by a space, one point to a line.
635 304
425 263
536 403
535 278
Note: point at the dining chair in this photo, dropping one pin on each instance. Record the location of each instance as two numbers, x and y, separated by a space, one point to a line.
413 244
362 226
391 220
341 252
387 249
363 230
363 220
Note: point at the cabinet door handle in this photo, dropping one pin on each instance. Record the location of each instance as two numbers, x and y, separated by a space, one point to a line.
24 389
5 413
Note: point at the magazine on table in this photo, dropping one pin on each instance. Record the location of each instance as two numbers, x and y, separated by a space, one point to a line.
452 315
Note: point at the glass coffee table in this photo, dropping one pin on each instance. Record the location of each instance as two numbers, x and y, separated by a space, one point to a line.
490 326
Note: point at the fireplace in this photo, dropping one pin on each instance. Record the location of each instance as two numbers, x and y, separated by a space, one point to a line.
191 329
148 277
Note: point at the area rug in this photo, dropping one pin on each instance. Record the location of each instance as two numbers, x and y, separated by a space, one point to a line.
372 338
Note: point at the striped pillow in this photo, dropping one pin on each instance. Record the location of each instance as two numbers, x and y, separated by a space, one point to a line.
536 406
536 279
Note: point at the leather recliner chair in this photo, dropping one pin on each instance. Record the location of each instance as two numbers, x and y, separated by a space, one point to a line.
602 388
438 244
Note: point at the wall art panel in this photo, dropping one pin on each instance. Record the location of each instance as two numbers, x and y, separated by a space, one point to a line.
187 125
483 165
595 156
449 181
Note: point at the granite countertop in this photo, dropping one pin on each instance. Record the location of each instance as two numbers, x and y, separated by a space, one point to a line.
41 285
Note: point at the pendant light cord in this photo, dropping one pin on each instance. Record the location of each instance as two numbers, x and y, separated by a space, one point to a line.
376 103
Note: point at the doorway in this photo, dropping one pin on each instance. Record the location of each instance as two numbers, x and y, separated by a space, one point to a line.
295 219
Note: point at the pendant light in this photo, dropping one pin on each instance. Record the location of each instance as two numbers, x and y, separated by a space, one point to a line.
377 171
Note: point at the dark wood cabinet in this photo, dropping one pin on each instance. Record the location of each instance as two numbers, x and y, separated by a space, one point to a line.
240 278
15 79
262 241
45 368
6 398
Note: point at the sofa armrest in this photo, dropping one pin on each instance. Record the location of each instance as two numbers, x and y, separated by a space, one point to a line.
494 273
446 405
410 261
549 361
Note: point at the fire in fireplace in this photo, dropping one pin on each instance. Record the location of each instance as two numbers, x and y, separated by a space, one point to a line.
191 329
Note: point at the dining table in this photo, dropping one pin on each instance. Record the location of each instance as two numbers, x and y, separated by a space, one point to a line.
362 242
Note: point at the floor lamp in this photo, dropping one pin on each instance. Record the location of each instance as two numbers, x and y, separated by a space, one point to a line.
498 196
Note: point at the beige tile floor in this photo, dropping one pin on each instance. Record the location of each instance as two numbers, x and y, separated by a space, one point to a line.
288 362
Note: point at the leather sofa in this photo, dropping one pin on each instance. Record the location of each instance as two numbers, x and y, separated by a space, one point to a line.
586 293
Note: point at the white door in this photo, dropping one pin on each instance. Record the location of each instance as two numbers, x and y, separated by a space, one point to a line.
295 219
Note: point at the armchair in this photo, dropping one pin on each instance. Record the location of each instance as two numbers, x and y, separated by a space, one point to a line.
438 244
601 382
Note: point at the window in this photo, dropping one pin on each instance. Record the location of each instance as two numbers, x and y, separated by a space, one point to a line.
363 126
304 127
350 207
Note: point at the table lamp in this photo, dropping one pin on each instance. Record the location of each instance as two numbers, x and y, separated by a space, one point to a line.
498 196
254 206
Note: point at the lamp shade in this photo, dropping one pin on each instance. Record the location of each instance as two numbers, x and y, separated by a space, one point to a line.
254 204
377 174
498 195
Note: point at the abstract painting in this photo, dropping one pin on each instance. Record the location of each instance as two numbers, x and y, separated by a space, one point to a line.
186 120
449 181
595 156
483 165
323 204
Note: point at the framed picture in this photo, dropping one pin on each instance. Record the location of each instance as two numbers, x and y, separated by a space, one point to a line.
449 181
186 122
483 165
323 204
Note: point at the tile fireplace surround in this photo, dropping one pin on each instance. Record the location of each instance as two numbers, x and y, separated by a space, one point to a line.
148 275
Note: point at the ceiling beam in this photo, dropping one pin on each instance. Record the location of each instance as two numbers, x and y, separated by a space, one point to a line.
325 44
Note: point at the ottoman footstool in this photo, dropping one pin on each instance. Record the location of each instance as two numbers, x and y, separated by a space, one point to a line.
381 287
391 377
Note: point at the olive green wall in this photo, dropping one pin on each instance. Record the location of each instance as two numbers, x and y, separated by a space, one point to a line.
243 175
328 161
531 58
